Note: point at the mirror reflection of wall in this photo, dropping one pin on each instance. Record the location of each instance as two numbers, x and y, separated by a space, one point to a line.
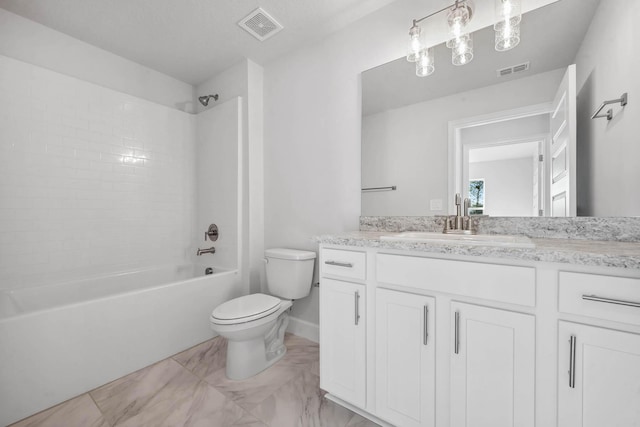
509 175
405 118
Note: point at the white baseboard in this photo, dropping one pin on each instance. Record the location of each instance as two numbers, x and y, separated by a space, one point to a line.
304 329
357 410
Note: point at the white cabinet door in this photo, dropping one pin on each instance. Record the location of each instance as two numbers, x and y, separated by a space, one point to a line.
342 340
598 377
492 367
405 358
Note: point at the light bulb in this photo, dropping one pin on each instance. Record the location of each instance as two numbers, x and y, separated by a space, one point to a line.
507 7
507 26
425 64
416 43
457 19
507 38
462 52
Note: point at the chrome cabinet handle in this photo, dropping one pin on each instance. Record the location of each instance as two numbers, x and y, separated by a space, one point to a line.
572 362
610 300
456 344
357 307
425 336
339 264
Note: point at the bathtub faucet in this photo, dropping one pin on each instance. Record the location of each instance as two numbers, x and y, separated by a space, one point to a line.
211 250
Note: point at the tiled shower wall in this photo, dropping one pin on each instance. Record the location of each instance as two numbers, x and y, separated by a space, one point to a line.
91 180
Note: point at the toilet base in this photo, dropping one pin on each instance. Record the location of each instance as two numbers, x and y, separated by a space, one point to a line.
249 357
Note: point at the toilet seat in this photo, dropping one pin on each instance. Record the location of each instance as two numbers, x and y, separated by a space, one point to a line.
245 309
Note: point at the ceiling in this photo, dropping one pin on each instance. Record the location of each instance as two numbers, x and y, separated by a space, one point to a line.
504 152
191 40
550 38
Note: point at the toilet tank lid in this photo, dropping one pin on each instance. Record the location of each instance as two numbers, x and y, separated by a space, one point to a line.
292 254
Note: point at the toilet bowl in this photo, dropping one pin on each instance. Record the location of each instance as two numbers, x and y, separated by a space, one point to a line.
254 325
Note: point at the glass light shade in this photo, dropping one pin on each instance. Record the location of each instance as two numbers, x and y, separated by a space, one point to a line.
508 13
507 38
458 18
416 43
426 63
462 52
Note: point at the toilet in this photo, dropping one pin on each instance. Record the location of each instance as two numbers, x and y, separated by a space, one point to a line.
254 325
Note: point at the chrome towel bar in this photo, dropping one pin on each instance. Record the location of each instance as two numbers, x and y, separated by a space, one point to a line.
609 115
390 188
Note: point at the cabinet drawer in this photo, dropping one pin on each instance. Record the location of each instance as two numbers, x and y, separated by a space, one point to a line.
505 283
348 264
605 297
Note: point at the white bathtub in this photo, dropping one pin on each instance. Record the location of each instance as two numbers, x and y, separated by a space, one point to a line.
61 340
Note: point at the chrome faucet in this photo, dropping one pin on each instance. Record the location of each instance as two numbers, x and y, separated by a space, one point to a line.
211 250
460 223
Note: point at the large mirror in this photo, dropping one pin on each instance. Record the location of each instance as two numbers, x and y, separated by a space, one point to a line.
499 129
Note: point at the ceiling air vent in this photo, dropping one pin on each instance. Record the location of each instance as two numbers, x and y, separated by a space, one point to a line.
513 69
260 24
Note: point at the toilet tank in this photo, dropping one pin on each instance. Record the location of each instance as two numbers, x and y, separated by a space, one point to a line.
289 272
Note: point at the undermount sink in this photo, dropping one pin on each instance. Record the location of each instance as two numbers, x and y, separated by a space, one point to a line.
502 240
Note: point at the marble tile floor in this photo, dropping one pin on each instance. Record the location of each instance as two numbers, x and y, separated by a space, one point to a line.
191 389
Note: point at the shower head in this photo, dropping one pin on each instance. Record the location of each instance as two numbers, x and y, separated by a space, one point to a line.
204 100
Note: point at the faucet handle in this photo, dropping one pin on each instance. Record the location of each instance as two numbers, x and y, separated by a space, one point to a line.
458 199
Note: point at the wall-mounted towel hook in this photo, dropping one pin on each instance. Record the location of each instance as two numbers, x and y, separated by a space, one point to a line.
609 115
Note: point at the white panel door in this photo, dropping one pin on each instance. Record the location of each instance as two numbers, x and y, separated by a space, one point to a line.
342 340
492 367
562 165
598 377
405 358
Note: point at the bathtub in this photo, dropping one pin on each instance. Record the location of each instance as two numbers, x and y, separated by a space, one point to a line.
60 340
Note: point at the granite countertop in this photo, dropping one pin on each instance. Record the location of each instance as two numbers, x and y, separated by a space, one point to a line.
571 251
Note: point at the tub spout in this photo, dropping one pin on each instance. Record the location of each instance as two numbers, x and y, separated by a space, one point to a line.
211 250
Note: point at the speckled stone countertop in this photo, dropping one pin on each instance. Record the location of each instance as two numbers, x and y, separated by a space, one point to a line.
571 251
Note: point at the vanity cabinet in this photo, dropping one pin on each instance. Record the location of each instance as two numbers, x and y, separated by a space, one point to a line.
598 377
444 340
492 367
342 334
405 358
599 368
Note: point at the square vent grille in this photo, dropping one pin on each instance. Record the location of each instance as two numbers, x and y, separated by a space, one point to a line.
513 69
260 24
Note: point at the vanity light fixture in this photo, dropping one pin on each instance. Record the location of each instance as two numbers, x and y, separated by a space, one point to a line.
459 14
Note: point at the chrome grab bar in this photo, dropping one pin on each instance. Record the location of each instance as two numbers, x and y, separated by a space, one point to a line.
339 264
610 301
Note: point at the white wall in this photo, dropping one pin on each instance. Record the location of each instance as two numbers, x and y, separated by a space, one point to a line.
508 186
415 138
509 130
36 44
91 180
218 152
607 65
245 80
312 133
